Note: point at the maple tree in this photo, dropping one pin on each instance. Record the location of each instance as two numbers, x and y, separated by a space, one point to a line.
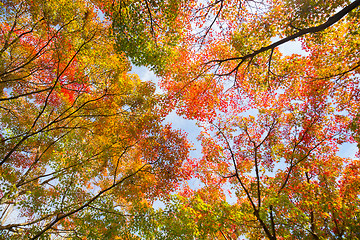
82 141
83 144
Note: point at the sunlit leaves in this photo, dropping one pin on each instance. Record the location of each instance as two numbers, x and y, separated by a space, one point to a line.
75 126
83 144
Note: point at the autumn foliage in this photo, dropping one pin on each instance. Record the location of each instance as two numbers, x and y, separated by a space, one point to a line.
85 152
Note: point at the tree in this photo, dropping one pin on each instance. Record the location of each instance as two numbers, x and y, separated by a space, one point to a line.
82 140
83 144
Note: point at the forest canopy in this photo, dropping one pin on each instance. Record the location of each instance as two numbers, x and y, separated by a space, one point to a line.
85 150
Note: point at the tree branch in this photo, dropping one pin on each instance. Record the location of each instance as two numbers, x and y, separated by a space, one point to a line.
331 21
